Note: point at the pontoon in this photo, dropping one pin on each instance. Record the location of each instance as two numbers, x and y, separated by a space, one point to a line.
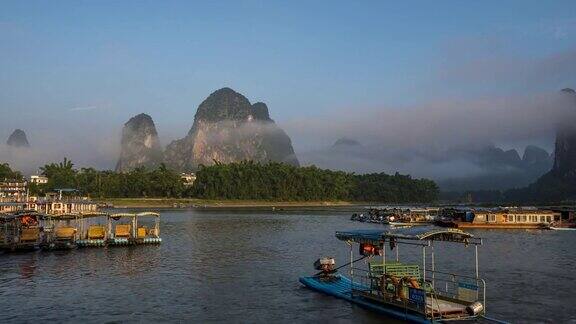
414 292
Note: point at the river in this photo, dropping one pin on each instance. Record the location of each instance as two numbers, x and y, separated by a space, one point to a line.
243 266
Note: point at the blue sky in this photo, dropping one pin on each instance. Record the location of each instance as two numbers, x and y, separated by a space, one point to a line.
91 65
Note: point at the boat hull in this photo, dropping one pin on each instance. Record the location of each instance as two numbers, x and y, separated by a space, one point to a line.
563 228
59 246
341 287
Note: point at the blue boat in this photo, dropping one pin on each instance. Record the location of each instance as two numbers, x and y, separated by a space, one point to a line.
416 293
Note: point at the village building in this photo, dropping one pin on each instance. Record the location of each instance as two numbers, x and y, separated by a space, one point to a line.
13 191
38 179
188 178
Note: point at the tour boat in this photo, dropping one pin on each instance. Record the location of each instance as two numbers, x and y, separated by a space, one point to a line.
508 218
407 291
21 231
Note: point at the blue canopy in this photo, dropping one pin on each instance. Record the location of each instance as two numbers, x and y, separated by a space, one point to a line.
422 233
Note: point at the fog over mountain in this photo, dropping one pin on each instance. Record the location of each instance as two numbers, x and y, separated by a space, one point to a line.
459 144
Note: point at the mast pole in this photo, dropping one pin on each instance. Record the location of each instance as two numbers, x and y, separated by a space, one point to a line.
476 257
351 269
433 262
424 262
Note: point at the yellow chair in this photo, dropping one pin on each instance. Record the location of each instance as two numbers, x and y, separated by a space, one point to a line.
142 232
122 230
96 232
65 232
29 235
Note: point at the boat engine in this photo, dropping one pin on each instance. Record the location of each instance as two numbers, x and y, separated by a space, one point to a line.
475 308
325 265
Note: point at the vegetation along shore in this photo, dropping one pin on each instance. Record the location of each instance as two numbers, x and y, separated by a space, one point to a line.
236 184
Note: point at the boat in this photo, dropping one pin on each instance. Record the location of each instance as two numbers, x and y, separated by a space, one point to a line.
557 228
411 292
122 229
566 221
503 218
94 230
398 216
148 233
62 232
21 231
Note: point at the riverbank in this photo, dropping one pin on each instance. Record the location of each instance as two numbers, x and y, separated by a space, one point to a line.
204 203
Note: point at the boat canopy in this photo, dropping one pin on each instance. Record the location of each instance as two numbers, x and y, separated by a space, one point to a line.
67 216
148 214
420 233
93 214
21 214
118 215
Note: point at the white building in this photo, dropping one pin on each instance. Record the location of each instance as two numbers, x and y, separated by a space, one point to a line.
188 178
38 179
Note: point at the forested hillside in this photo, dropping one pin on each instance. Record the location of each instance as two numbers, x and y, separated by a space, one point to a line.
278 181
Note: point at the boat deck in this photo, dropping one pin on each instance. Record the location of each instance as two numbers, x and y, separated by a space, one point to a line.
341 287
444 307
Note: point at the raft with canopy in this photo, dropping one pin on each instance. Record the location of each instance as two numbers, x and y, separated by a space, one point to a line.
411 291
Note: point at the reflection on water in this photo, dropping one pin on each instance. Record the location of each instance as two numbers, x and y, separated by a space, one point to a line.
244 267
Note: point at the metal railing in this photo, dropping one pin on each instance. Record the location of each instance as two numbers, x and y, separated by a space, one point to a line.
456 286
462 288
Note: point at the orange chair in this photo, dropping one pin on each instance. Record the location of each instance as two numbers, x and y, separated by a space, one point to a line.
122 230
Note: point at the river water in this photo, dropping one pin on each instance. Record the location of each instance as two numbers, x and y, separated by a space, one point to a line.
243 266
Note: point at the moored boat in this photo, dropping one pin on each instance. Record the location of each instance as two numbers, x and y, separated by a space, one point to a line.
407 291
122 229
148 233
62 232
503 218
94 230
21 231
566 221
